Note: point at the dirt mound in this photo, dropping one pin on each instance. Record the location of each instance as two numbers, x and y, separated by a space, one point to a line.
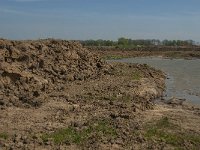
86 103
29 70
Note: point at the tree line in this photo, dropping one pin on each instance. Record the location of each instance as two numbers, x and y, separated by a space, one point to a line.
126 42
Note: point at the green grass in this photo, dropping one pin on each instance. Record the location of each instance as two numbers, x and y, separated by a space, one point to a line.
3 135
165 131
71 135
167 137
164 123
136 75
104 128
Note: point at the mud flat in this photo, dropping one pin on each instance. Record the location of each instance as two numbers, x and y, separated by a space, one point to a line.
55 94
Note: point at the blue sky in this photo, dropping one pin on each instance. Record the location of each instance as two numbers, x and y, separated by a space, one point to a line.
100 19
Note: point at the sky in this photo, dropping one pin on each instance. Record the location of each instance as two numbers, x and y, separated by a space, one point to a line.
100 19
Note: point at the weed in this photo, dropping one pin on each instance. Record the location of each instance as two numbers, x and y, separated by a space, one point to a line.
67 135
103 127
71 135
127 98
109 97
164 123
3 135
136 75
164 130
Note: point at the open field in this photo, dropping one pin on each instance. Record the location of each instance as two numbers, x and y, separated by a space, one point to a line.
169 52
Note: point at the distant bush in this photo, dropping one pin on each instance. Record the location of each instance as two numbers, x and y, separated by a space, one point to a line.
123 42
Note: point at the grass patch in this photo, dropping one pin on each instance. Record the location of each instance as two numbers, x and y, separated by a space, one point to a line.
164 123
113 98
71 135
3 135
165 131
104 128
160 135
68 135
127 98
136 75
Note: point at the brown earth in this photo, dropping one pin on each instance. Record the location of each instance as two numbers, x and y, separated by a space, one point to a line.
32 69
55 94
169 52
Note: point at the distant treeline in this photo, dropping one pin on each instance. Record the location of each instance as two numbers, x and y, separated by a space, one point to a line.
125 42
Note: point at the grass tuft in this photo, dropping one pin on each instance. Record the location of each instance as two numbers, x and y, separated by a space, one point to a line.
136 75
3 135
68 135
165 131
71 135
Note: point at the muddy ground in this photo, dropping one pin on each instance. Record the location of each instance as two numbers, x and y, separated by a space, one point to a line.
55 94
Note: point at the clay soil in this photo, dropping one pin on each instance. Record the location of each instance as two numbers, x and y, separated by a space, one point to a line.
55 94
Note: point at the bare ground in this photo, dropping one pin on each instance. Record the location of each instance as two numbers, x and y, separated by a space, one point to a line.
111 112
113 108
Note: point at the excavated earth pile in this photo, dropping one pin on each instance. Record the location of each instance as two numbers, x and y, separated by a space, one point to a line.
31 69
55 94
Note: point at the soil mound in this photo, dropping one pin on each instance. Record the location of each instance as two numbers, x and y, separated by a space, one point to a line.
31 69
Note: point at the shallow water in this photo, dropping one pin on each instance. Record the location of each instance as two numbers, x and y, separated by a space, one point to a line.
183 76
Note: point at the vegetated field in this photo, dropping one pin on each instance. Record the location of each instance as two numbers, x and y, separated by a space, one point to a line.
55 94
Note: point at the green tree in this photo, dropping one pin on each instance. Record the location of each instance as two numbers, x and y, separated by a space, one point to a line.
123 41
